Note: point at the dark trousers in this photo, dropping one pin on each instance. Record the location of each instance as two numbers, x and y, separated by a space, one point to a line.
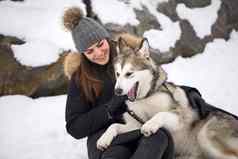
156 146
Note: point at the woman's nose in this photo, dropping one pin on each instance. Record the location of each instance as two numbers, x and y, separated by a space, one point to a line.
98 52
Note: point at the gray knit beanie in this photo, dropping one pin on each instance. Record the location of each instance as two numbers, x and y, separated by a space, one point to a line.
85 31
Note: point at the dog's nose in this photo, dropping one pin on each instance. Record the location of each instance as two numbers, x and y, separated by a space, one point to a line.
118 91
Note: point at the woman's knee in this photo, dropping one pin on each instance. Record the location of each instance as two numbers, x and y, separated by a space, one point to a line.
117 152
160 137
157 145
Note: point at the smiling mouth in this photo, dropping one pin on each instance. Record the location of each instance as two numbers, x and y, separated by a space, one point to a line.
100 59
133 92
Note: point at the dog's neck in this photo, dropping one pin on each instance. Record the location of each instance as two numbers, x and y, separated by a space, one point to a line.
158 82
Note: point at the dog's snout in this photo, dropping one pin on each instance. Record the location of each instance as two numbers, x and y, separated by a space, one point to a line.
118 91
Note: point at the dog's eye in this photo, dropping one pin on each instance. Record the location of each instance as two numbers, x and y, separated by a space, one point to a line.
128 74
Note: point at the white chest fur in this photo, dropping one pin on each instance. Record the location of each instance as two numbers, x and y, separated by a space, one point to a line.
148 107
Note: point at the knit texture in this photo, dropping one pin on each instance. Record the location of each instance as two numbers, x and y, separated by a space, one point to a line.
87 33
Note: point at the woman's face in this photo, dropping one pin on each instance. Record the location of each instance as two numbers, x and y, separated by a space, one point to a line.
99 52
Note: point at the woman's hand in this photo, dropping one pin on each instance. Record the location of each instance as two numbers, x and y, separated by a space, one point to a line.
116 106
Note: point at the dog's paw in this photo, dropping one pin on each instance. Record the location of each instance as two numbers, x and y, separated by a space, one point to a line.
149 128
104 141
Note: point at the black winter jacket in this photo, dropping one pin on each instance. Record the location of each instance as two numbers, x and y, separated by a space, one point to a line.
86 120
82 118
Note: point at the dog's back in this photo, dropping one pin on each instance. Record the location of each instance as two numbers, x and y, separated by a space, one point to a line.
219 136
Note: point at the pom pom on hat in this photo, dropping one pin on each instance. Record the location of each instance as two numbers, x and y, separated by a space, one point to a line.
71 17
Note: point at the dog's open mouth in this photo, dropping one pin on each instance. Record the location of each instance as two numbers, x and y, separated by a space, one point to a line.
133 92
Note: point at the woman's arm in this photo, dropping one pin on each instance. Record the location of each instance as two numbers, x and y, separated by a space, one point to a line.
81 118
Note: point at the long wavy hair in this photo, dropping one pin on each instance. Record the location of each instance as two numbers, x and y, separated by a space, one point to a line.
86 77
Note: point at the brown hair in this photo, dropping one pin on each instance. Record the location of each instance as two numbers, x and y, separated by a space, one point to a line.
86 77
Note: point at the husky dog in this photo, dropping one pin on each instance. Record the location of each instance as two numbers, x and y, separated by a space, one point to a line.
162 104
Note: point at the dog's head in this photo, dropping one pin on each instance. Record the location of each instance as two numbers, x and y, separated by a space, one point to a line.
135 70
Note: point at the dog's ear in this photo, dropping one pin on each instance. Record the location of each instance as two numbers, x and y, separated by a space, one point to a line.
144 49
122 44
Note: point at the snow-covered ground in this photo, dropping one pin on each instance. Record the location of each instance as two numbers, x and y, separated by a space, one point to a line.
214 72
35 128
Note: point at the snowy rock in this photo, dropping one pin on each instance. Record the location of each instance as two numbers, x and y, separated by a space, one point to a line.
195 3
16 78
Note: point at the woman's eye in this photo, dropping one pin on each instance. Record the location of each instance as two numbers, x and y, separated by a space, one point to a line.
88 52
100 44
128 74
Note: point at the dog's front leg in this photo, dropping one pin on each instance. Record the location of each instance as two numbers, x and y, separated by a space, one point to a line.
112 131
168 120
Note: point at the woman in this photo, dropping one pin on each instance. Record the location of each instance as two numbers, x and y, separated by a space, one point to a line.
91 104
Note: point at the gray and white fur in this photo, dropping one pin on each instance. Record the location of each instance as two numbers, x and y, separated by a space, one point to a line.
162 104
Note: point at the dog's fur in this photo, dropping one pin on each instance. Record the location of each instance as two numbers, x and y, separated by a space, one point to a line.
163 104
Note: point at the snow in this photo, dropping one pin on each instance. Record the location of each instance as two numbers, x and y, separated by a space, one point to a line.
37 22
214 72
164 39
123 11
201 19
159 39
35 128
170 31
108 11
27 53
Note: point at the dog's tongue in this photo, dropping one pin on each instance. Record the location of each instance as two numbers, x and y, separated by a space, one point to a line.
131 93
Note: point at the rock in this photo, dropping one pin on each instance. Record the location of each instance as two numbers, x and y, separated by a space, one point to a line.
30 81
13 78
52 80
17 0
189 44
10 40
147 21
195 3
227 20
169 9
